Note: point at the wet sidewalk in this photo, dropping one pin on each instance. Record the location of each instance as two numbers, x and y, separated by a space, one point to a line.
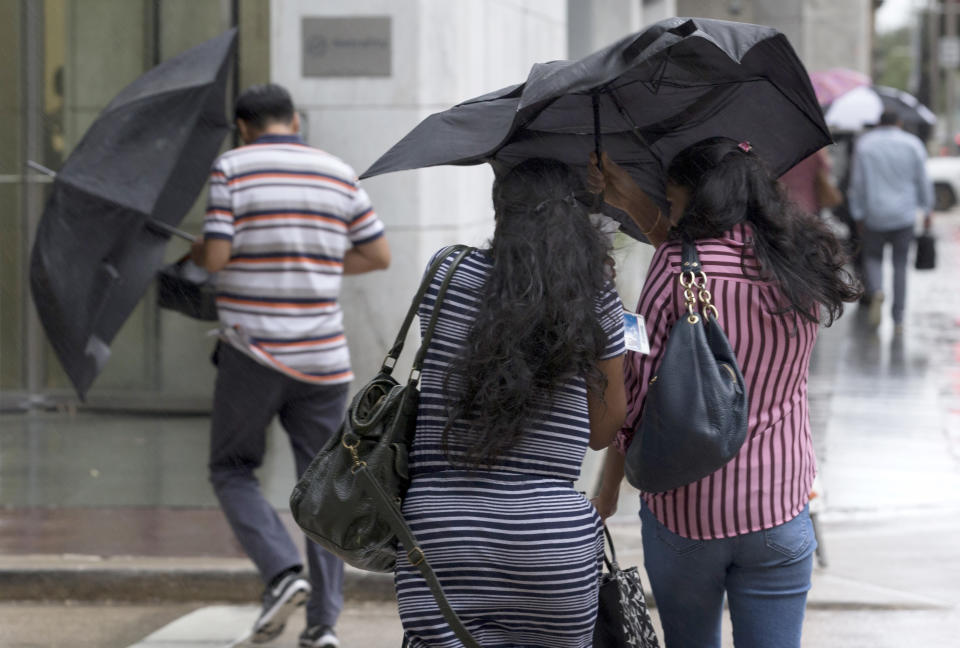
108 506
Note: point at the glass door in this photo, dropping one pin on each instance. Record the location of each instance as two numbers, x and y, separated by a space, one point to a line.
66 59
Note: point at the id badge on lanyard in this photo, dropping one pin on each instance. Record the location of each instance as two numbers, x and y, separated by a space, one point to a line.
635 333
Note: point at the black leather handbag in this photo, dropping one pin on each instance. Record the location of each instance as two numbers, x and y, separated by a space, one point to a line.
926 252
188 289
623 619
695 417
348 500
328 503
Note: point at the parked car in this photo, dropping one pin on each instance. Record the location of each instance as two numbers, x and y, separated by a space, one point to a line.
944 172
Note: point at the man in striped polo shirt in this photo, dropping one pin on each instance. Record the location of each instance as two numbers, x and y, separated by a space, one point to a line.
284 223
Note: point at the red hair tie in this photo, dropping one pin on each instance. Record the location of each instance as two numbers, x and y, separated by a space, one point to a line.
745 146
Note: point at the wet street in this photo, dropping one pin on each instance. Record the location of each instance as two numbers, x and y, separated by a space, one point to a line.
889 405
886 420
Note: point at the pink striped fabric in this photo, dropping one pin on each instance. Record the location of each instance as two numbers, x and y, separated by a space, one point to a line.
768 482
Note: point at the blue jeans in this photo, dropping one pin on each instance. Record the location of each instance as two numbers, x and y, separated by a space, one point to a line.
765 575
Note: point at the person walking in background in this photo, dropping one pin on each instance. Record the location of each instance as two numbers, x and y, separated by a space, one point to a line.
284 222
809 186
774 271
888 186
524 372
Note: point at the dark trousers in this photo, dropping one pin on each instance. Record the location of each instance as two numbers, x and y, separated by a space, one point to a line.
874 243
246 398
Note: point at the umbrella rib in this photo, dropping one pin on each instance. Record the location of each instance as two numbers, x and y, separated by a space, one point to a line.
626 116
668 125
675 84
169 230
84 190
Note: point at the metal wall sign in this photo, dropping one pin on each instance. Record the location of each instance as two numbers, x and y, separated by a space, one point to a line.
949 53
347 46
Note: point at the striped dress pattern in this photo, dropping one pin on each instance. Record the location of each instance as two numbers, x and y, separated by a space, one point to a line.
516 548
768 482
291 212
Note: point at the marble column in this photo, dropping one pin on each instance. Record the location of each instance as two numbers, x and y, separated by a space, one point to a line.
440 53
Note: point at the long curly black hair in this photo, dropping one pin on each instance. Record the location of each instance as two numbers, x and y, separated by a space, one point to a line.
536 326
730 185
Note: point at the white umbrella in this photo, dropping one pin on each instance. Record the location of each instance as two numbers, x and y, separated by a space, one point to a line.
861 107
855 110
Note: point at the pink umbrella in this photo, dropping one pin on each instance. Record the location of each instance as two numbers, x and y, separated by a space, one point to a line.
830 84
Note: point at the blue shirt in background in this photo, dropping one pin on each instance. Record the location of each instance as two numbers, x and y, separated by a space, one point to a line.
889 182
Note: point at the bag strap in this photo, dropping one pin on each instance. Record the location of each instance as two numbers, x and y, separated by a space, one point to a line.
388 508
394 353
691 260
610 562
693 281
435 315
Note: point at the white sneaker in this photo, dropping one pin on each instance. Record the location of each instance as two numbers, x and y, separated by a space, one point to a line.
319 636
279 602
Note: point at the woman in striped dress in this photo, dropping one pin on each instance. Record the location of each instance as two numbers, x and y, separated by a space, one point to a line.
774 272
523 373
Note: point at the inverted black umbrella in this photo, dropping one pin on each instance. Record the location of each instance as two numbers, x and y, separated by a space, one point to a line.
490 129
646 97
117 199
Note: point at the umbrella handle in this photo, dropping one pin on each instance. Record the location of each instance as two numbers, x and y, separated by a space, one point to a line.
598 202
596 130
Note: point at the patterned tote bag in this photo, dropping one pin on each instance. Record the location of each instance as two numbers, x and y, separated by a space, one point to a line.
622 617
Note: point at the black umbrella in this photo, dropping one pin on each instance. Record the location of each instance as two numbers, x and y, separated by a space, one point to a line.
647 97
917 118
115 202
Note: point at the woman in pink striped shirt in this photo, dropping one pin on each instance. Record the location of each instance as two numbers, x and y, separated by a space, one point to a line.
775 273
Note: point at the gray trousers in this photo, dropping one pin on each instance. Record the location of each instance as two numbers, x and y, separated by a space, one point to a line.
873 244
246 398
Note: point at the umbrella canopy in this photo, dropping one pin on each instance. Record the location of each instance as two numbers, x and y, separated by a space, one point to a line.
854 110
830 84
861 107
132 177
646 98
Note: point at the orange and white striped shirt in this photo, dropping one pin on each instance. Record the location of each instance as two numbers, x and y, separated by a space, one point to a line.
291 212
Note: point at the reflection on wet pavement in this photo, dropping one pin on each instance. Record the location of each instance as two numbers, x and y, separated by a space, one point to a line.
118 460
886 406
119 484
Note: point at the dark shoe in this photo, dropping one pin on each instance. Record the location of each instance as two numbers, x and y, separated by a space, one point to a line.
279 602
319 636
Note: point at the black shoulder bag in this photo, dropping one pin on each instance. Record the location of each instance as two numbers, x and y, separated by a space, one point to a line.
695 417
348 500
187 288
926 258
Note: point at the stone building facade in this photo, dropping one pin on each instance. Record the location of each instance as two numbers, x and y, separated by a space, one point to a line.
65 59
